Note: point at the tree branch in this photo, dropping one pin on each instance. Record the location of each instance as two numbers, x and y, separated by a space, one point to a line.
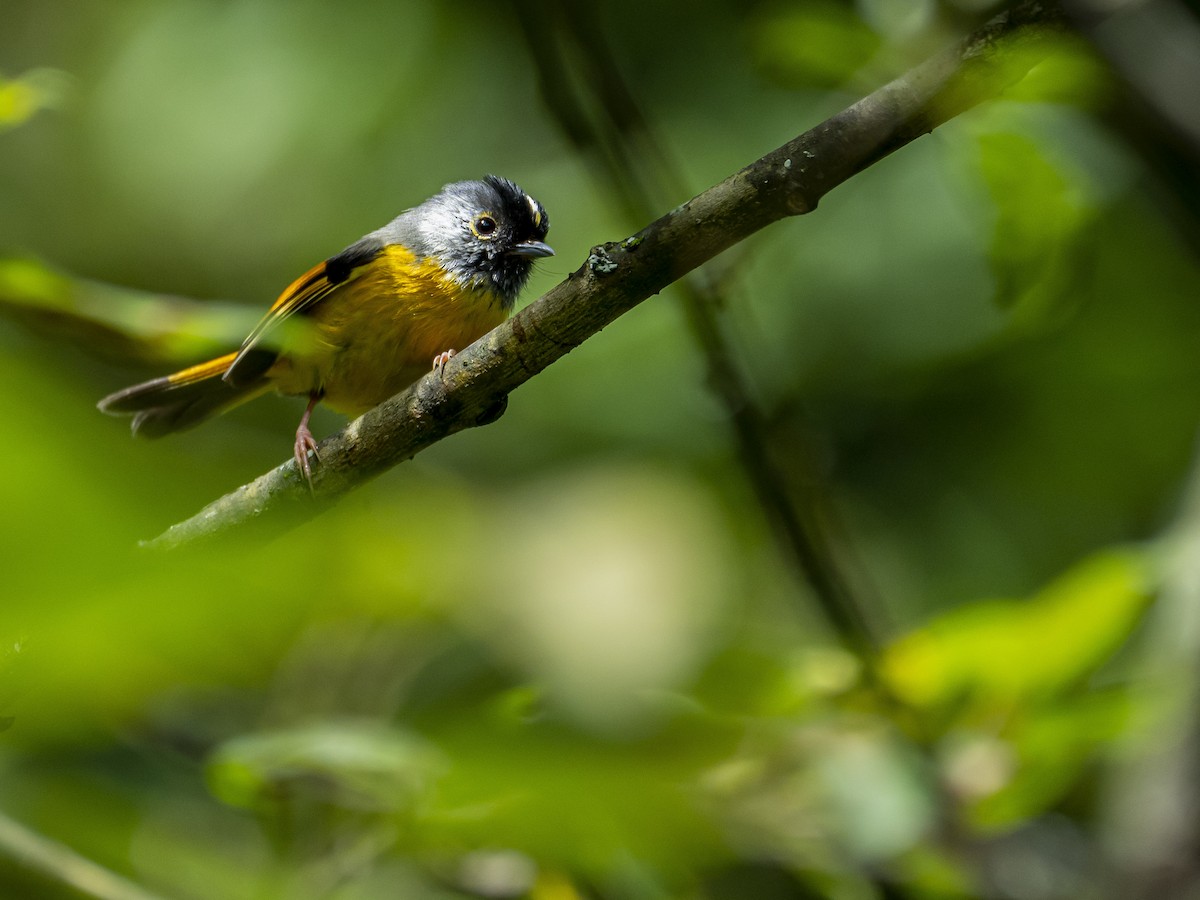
636 172
617 276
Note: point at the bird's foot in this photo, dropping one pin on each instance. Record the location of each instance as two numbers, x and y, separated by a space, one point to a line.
305 444
439 361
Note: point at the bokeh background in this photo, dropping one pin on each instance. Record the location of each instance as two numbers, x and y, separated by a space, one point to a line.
568 655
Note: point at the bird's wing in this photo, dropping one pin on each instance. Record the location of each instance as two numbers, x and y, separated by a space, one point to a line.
304 294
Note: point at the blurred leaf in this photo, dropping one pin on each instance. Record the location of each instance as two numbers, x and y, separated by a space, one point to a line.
30 282
817 44
23 97
554 886
935 875
569 799
613 597
360 765
1055 746
1071 73
1035 248
898 20
872 788
125 324
827 794
1007 651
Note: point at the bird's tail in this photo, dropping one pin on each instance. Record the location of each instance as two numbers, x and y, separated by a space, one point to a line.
186 398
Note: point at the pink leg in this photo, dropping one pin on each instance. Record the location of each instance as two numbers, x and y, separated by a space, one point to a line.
439 361
305 441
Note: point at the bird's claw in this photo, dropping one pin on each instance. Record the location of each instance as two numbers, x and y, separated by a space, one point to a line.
439 361
305 444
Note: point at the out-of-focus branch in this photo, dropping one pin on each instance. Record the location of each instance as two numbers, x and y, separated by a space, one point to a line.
63 865
1153 48
1152 817
617 276
567 38
117 323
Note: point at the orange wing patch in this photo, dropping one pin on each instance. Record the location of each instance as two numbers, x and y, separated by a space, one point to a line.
303 293
202 371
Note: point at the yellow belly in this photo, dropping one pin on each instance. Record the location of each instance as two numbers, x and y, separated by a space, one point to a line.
380 331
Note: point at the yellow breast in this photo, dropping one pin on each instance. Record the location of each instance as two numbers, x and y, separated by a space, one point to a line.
380 331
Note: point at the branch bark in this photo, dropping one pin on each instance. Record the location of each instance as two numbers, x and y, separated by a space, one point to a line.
617 276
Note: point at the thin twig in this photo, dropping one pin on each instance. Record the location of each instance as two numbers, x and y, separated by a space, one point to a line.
617 276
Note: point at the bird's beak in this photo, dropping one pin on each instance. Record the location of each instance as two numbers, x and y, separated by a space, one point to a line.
532 249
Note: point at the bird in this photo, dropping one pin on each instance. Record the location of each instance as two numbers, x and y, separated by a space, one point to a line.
368 321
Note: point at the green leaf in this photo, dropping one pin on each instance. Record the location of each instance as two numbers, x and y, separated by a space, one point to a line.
815 45
21 98
362 765
1035 254
1012 650
1054 747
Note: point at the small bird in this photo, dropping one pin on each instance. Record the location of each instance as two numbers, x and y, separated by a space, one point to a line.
431 281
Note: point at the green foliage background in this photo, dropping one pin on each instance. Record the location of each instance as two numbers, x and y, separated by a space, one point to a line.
562 656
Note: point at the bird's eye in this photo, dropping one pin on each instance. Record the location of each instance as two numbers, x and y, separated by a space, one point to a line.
484 226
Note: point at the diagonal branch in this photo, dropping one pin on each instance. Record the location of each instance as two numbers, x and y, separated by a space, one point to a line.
617 276
633 163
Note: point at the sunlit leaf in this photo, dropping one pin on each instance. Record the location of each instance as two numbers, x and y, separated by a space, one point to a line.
1006 650
1071 73
23 97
